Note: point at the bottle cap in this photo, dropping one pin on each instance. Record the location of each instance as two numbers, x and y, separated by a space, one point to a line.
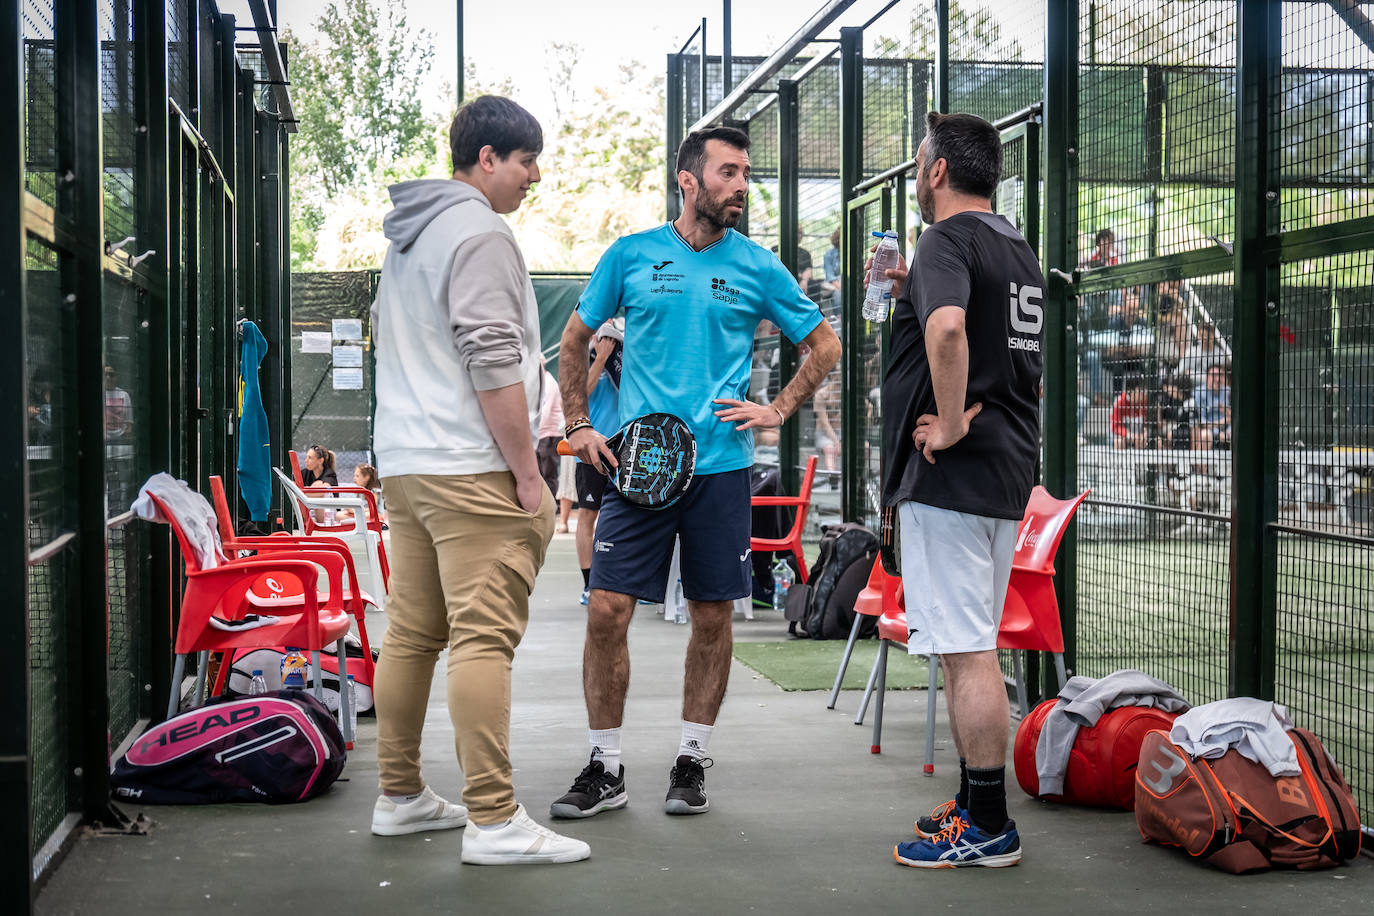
350 677
257 672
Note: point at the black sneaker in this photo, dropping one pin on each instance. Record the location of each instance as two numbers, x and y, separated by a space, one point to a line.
592 792
686 787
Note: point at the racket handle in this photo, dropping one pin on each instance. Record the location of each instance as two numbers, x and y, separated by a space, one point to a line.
564 448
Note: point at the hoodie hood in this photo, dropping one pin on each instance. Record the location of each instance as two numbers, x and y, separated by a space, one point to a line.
416 203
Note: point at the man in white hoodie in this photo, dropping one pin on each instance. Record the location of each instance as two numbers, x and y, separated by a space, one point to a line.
456 331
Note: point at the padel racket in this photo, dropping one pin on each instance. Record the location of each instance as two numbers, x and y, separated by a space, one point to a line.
656 455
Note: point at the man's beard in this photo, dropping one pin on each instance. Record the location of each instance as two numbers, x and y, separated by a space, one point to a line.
712 211
925 201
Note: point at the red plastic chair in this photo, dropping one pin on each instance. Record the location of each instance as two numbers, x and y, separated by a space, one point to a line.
270 593
792 541
220 590
310 526
1030 616
881 591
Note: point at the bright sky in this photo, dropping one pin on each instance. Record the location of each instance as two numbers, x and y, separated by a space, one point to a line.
510 41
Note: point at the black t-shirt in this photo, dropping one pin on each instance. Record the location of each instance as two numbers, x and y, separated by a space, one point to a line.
978 262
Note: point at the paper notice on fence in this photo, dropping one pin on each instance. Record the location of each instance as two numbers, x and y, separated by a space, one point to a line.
316 342
348 380
348 357
348 329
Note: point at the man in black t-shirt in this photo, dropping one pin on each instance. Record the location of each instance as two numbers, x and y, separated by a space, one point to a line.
961 433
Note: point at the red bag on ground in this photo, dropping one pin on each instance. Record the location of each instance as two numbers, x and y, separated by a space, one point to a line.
1102 763
1232 814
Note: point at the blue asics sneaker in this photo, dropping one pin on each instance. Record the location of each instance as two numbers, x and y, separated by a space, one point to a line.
940 817
586 596
960 845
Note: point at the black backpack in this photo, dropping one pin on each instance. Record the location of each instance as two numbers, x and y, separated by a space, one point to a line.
824 606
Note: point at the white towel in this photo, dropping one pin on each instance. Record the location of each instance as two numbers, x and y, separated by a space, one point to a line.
194 515
1255 728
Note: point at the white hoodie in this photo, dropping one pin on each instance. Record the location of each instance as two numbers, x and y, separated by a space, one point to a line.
455 313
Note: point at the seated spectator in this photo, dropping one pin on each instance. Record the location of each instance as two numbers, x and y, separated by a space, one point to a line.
1171 340
1104 254
1176 414
832 267
1170 297
365 476
1127 419
1214 408
319 470
1203 353
1128 314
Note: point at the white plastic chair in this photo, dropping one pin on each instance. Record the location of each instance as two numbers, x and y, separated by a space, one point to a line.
350 529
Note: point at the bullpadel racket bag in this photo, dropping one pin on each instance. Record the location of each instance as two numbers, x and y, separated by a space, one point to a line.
1231 813
276 748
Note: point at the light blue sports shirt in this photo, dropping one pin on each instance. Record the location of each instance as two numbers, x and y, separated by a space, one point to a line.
690 318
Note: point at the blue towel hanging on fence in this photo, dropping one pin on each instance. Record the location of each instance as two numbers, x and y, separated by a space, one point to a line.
255 446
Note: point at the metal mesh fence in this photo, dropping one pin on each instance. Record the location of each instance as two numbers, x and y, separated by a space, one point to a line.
1325 623
1158 112
127 670
179 54
331 379
820 202
117 105
51 475
40 103
997 56
1154 434
1327 118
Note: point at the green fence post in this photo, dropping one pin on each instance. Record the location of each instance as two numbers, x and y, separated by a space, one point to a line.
673 138
80 202
940 94
851 166
16 760
1061 308
789 186
150 68
1254 406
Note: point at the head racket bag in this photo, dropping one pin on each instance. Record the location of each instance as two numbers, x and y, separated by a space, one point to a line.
276 748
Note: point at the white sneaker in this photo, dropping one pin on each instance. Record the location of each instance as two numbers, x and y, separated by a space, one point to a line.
521 842
428 812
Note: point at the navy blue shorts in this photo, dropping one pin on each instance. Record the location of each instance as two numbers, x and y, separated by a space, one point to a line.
633 549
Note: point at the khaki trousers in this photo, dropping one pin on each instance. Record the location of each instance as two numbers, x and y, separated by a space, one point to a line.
464 555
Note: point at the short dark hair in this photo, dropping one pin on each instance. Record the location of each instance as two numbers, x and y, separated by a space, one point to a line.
1104 235
971 148
691 155
491 120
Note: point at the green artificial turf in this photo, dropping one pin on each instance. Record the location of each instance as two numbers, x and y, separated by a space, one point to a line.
808 664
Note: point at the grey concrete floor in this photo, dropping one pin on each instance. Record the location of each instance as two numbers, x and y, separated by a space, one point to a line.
803 818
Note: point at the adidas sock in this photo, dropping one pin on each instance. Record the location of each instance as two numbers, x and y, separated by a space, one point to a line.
606 748
987 803
586 578
695 738
961 800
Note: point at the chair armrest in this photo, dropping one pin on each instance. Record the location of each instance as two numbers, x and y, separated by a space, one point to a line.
796 501
292 545
359 522
364 492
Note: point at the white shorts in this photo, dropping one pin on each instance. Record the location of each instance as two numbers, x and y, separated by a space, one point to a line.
955 568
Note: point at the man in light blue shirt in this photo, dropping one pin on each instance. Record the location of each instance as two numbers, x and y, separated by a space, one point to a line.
693 292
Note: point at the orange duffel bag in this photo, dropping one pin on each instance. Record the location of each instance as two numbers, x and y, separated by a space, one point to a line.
1230 812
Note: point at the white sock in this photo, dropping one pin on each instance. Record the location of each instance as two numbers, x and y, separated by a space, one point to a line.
695 738
606 748
505 823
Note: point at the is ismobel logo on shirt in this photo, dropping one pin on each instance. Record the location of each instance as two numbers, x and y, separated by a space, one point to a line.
722 290
1027 317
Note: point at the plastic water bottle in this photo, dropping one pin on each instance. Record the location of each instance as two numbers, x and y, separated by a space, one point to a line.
293 667
352 706
258 686
878 301
782 581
